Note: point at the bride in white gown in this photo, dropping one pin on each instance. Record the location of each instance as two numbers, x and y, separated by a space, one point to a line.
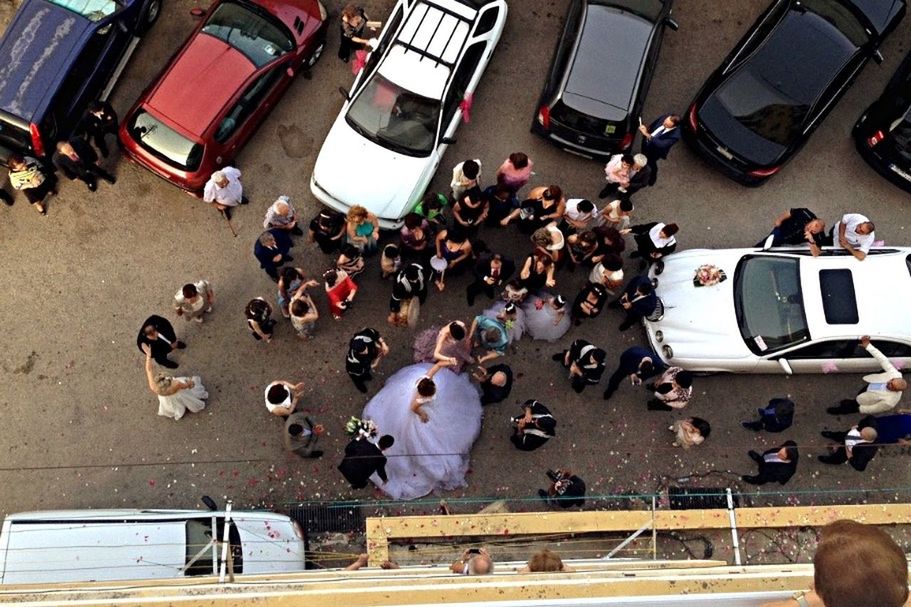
435 417
176 395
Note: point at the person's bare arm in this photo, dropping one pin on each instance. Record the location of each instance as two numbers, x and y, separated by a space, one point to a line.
781 218
357 564
150 370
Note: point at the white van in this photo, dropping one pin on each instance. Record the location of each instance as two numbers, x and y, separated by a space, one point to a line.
109 545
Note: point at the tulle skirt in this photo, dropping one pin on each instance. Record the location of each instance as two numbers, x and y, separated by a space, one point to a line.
432 456
426 342
515 329
191 399
544 324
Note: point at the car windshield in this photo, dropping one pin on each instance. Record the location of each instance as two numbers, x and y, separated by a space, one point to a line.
840 16
578 121
901 135
258 37
395 117
93 10
650 9
769 303
164 142
14 135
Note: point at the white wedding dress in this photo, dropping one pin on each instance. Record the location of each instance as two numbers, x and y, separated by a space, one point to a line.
432 456
192 399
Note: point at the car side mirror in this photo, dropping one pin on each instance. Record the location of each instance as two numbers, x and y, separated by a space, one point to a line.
448 140
878 57
672 24
344 93
209 502
786 366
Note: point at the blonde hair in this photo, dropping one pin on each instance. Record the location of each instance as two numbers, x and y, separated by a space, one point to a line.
162 381
357 214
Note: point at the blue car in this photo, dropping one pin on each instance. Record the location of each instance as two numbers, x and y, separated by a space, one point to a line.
55 58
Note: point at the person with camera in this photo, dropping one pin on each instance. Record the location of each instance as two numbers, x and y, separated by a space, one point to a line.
566 489
585 362
474 561
534 427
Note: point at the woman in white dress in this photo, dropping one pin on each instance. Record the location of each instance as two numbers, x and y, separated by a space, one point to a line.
512 317
176 395
435 417
546 316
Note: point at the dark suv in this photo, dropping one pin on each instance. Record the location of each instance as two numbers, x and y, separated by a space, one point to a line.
55 58
600 74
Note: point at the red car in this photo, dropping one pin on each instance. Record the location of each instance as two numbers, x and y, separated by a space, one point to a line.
217 89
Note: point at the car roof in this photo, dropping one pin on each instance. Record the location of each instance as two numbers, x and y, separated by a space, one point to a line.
880 13
206 64
426 48
35 53
605 68
881 270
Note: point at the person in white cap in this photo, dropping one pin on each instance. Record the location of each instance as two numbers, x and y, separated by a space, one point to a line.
224 190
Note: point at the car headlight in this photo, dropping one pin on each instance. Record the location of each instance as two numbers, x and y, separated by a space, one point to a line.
659 336
666 350
323 13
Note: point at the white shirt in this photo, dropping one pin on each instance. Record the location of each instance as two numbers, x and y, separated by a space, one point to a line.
853 438
285 404
772 458
593 218
460 183
862 242
661 130
659 241
273 219
230 195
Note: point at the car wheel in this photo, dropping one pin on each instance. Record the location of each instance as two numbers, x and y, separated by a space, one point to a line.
316 54
152 12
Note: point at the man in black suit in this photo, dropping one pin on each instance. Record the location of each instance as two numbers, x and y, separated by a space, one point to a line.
658 139
78 160
637 363
777 417
363 458
775 465
158 334
585 362
640 179
99 120
638 301
365 350
271 250
495 383
409 282
489 273
857 445
534 427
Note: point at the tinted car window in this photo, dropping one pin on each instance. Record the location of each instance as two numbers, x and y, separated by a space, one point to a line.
395 117
839 302
901 135
461 79
839 16
892 348
769 304
14 134
650 9
257 37
247 104
93 10
836 348
576 120
164 142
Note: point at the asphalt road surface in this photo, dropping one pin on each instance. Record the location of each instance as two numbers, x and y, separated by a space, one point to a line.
79 424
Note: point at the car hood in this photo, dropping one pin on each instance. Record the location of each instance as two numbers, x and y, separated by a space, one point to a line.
270 545
355 170
699 323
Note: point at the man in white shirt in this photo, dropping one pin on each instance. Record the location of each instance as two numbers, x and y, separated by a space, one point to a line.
855 234
882 392
224 190
580 215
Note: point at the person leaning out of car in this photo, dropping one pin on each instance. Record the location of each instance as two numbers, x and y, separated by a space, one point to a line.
854 233
883 390
796 227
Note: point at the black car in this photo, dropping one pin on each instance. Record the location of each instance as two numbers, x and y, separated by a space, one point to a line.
600 74
760 106
883 132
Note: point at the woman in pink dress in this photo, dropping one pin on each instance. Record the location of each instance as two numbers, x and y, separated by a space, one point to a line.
515 172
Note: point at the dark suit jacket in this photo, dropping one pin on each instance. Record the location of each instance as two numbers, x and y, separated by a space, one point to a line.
76 168
775 471
494 394
658 147
106 123
160 348
639 180
631 357
644 306
482 270
771 421
861 455
362 459
264 255
404 289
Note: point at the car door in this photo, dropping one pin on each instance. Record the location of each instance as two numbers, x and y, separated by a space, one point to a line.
244 115
826 356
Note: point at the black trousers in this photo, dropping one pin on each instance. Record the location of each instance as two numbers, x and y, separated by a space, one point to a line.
839 457
476 288
360 380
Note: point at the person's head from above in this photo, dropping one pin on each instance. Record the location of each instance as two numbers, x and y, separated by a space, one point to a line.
669 230
479 564
96 107
499 379
553 193
784 408
496 260
150 332
15 162
502 192
432 202
670 121
66 149
470 169
816 226
596 291
868 434
350 251
456 235
331 277
543 262
220 179
390 251
897 385
426 387
612 262
289 275
558 302
358 215
519 160
609 235
859 565
646 367
510 309
541 238
281 207
278 394
350 13
626 205
684 379
585 206
865 228
492 335
594 357
457 330
413 221
471 198
587 238
639 161
328 219
299 307
413 272
189 291
787 454
295 429
701 426
545 561
645 288
385 442
267 240
258 309
162 381
626 161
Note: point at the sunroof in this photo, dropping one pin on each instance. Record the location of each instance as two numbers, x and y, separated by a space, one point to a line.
839 301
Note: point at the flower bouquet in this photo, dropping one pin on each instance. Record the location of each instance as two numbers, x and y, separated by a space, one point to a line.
708 275
360 428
